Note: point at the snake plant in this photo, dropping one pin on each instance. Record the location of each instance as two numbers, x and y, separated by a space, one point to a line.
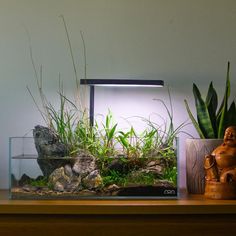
212 122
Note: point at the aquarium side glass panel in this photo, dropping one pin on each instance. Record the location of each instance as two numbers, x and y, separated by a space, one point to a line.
23 164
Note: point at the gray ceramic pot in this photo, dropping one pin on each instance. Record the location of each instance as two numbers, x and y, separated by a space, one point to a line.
196 150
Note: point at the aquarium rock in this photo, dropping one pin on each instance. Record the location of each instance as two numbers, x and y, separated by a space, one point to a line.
84 164
50 149
58 187
62 179
154 167
118 164
47 142
47 165
58 179
68 171
93 180
29 188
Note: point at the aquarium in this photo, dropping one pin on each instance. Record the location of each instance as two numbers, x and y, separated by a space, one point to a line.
40 170
88 153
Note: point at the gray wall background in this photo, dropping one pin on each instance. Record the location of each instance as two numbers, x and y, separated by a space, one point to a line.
179 41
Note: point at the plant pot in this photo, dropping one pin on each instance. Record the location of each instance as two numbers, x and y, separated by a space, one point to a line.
196 150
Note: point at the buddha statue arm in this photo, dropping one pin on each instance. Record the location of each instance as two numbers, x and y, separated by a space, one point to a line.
211 168
228 176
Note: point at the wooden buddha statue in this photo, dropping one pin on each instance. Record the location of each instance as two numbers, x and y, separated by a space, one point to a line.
220 167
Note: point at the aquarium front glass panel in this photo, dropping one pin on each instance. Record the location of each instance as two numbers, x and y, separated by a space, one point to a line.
85 176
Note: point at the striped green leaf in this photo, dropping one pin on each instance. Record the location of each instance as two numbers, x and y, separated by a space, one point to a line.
212 103
195 123
231 115
222 113
203 116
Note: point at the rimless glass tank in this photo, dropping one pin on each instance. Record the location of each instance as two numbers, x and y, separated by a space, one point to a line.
96 156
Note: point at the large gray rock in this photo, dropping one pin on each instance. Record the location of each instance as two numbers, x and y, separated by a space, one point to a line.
50 149
47 142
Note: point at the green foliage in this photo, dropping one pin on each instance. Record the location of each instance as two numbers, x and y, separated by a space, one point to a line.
67 119
142 178
107 137
41 182
122 179
65 122
211 123
131 143
166 132
114 177
170 174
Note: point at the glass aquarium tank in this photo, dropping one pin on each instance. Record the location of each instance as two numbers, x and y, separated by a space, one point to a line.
85 176
77 156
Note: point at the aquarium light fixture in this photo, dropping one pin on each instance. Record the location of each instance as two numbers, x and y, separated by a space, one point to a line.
122 82
92 83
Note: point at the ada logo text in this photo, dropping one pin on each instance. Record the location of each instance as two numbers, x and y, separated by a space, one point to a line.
169 192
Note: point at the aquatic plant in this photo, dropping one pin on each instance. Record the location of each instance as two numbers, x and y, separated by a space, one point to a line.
107 135
154 143
171 174
114 177
39 182
142 178
87 136
166 132
131 143
149 142
131 177
65 120
159 141
105 147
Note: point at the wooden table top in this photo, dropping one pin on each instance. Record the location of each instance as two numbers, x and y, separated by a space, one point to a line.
186 204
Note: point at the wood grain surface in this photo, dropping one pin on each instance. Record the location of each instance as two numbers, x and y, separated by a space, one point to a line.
189 215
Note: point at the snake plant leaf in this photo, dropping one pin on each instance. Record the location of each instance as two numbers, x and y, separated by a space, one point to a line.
211 98
222 113
203 114
195 123
208 117
212 103
231 115
227 91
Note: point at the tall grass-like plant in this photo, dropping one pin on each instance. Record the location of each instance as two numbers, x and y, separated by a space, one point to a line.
64 121
166 132
87 136
212 121
69 121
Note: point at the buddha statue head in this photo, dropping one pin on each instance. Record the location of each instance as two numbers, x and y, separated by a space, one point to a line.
230 136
